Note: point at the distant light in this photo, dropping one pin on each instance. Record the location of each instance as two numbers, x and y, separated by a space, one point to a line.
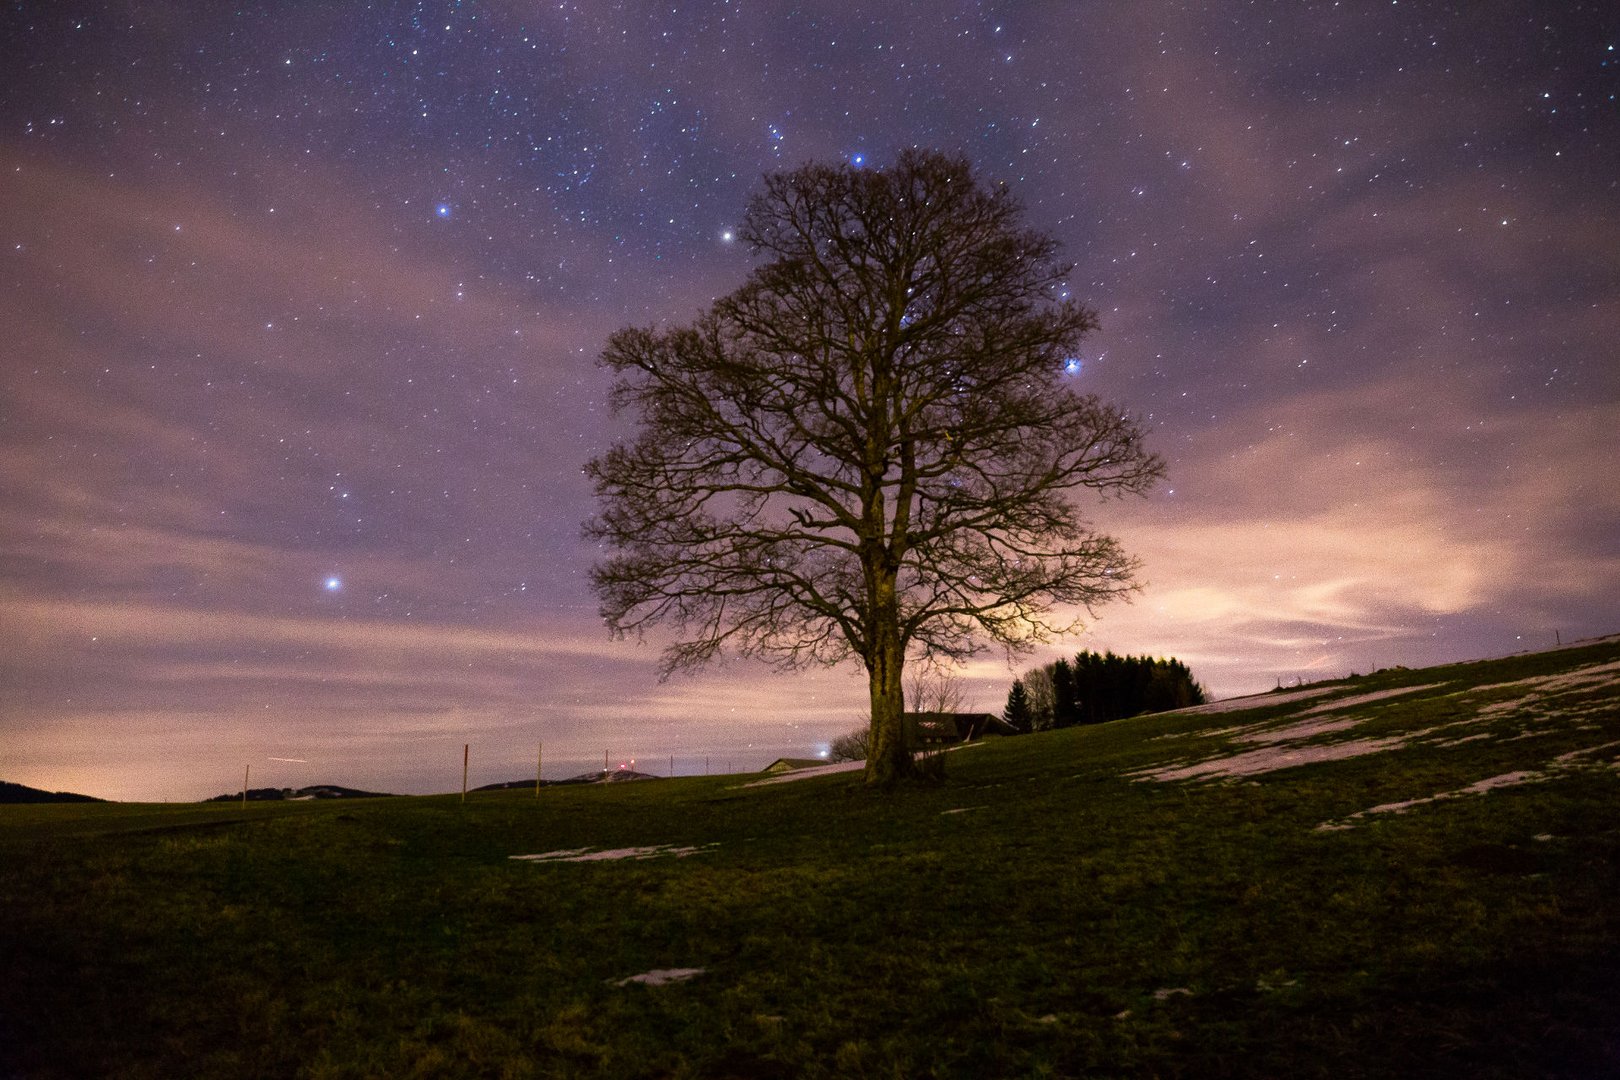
858 160
333 584
442 210
728 236
1073 365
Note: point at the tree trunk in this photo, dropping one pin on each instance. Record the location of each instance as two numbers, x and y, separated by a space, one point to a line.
888 756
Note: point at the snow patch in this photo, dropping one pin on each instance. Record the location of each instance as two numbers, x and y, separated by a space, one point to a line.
1478 787
614 854
1366 699
660 976
1305 729
1562 764
805 774
1542 687
1446 743
1302 728
1270 759
1253 701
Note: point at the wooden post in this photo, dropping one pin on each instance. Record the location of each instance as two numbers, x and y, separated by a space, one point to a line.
672 766
705 765
464 747
539 763
245 770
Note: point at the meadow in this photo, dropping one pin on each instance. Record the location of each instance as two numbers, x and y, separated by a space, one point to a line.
1410 873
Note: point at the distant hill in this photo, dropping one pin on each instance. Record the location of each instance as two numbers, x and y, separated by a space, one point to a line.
315 791
22 793
599 776
513 784
609 776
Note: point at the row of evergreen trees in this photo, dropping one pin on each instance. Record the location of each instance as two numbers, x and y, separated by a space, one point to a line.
1095 687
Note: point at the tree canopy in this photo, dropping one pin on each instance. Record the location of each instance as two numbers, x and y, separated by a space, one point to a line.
869 449
1092 688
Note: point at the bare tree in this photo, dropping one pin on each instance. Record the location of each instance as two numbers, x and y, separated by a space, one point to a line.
868 449
850 746
933 688
1042 698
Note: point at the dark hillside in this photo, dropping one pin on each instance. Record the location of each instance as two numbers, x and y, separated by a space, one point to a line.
22 793
315 791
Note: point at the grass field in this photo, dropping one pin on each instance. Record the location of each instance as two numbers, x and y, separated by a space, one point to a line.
1414 873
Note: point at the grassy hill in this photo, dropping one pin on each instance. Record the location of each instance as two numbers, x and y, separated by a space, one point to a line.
22 793
1415 873
313 791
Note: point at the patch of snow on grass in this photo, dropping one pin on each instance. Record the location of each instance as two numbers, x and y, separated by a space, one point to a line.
1302 728
1507 779
1465 739
1563 763
1566 760
1253 701
1478 787
1366 699
1305 729
1270 759
660 976
1541 687
613 854
805 774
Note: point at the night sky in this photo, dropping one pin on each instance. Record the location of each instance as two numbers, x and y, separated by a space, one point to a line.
301 305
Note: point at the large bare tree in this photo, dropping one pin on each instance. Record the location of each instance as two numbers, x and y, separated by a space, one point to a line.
869 449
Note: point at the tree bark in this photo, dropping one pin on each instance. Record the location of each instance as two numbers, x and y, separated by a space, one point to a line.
888 758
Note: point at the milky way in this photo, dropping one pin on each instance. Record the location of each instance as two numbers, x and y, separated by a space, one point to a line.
302 304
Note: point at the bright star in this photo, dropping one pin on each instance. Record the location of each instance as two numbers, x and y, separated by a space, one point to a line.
333 584
728 236
1073 365
442 210
858 160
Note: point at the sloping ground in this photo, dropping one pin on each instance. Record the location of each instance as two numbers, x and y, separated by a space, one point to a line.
1559 713
22 793
1416 873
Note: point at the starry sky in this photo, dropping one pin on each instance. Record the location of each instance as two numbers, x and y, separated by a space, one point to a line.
302 302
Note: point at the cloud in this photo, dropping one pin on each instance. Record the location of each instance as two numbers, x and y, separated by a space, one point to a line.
1303 535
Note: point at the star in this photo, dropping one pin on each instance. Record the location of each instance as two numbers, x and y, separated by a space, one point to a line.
333 584
442 211
1073 365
